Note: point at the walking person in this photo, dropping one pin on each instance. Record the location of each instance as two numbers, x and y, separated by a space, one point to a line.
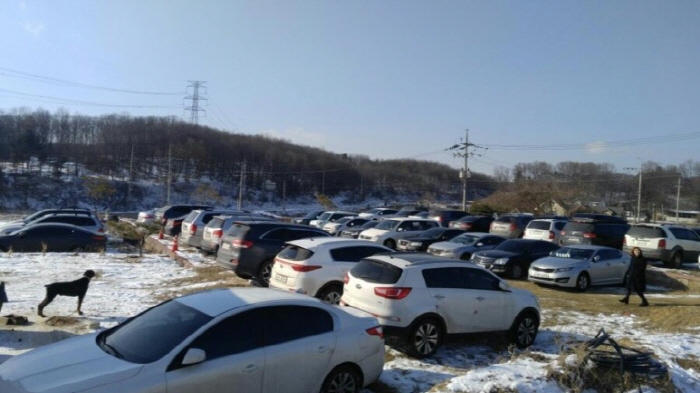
636 277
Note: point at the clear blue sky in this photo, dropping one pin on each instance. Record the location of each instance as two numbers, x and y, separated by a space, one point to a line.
590 81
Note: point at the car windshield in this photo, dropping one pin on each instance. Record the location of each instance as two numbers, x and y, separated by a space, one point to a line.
572 253
325 216
152 334
432 233
512 246
369 224
388 225
465 239
343 220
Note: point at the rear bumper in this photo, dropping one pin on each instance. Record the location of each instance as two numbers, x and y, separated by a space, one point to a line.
651 253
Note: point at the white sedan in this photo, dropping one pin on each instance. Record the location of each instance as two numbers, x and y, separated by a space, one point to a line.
250 339
580 267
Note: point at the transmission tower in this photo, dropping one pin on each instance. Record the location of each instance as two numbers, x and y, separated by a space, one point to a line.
195 87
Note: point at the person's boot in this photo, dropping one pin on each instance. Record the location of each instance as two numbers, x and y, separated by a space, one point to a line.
625 300
645 303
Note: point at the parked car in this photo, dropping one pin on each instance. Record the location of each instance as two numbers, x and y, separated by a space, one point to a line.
672 244
330 216
377 213
446 216
473 223
42 214
464 245
146 217
249 247
511 226
194 223
306 219
548 229
390 230
405 212
597 230
424 239
580 267
174 211
513 257
53 237
354 233
316 266
173 226
248 338
215 228
420 299
89 222
334 228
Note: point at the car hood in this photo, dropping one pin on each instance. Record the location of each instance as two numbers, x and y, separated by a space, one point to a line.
555 263
373 232
73 365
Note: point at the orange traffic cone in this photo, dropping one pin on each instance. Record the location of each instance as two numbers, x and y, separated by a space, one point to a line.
174 244
160 235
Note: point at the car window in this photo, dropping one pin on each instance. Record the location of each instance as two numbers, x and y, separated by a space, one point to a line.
559 225
605 255
491 240
423 225
543 247
354 253
444 277
287 323
295 253
237 334
537 224
376 272
482 280
684 234
294 234
646 232
279 234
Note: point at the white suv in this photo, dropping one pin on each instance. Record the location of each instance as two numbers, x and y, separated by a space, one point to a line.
673 245
390 230
545 229
420 298
316 266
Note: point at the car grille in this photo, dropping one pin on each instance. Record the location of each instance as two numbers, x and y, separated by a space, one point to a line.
542 270
483 260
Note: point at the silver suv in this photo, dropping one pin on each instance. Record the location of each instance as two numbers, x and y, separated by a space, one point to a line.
673 245
420 299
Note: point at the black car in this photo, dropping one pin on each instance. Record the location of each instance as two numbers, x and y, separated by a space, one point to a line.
426 238
249 248
354 233
52 238
41 213
514 256
473 223
173 225
445 216
597 230
306 219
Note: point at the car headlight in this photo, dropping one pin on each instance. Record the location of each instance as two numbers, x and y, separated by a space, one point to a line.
564 269
501 261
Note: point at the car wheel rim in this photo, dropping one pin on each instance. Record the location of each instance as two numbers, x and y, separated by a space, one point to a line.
266 272
582 282
526 332
342 383
332 297
426 338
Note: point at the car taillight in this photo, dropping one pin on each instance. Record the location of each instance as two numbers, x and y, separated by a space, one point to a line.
551 235
395 293
662 243
513 227
101 230
304 268
491 226
346 278
193 229
242 243
376 331
218 232
589 235
563 233
467 226
98 238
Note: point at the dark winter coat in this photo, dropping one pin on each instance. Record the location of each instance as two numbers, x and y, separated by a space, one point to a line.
637 274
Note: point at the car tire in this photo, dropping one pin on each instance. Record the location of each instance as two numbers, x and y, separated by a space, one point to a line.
390 243
342 379
264 272
331 294
466 256
583 281
677 260
524 330
517 272
424 338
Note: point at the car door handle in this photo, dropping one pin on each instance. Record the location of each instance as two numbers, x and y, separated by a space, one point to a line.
480 298
250 368
323 349
439 297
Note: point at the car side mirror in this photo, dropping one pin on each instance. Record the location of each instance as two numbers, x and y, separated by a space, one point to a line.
480 244
596 258
503 286
194 356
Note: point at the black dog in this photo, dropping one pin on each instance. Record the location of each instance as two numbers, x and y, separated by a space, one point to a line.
77 288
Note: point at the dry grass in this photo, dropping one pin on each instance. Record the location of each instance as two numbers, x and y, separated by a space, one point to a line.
213 277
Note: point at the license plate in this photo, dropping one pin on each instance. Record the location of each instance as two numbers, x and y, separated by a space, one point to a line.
281 278
225 246
540 275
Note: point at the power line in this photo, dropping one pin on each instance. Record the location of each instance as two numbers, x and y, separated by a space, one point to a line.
59 100
619 143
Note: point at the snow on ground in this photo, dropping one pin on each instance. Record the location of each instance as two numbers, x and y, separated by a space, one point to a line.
126 285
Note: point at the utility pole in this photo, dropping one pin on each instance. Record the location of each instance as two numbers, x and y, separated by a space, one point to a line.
678 196
194 109
170 173
131 174
240 186
639 192
462 150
